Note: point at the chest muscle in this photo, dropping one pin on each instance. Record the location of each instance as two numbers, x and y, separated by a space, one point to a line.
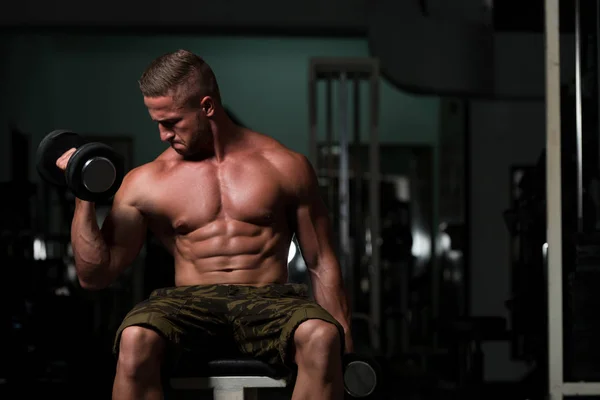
191 198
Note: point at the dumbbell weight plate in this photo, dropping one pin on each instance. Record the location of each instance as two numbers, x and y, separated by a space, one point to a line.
95 172
360 379
52 146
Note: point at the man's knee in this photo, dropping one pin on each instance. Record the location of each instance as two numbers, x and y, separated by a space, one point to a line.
140 351
317 341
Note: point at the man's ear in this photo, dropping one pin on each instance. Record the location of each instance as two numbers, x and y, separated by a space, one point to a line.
208 106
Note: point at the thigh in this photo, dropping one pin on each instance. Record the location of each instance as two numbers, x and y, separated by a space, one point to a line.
189 319
265 321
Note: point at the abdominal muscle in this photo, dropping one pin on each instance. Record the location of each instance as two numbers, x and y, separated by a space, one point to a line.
232 253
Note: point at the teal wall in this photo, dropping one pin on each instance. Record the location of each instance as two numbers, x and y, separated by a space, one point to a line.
88 83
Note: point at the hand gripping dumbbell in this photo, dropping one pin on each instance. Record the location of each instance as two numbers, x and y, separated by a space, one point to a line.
94 171
361 375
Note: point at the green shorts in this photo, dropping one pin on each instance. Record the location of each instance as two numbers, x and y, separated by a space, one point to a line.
220 321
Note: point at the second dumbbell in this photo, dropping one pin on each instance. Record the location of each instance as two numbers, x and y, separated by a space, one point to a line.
361 376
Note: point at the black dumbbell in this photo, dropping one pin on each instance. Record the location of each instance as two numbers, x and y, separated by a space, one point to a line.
361 375
94 171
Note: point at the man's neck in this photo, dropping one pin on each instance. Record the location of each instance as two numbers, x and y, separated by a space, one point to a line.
226 137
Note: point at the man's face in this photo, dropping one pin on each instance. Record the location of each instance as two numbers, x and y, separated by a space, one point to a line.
185 127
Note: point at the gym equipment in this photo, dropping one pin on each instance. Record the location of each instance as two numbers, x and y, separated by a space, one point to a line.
361 375
241 378
229 379
559 384
94 172
346 73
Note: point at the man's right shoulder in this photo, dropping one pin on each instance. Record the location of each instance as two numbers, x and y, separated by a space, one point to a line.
141 172
137 181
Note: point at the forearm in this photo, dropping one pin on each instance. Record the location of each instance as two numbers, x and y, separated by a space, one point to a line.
92 255
329 293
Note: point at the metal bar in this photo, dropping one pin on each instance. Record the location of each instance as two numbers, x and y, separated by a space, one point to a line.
597 43
578 117
359 218
435 260
581 389
554 202
326 66
343 182
312 110
374 188
329 164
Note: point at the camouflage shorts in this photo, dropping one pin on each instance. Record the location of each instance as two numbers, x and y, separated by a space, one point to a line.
219 321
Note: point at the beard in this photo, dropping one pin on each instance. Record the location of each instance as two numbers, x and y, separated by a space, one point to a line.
199 142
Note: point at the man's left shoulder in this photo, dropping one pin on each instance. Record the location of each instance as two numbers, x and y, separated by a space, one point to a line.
289 162
292 166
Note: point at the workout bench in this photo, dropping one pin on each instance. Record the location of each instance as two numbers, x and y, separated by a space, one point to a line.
231 379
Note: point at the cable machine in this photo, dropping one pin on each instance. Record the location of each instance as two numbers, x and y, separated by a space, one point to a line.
337 160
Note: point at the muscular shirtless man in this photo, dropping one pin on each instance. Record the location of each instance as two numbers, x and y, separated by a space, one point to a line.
225 201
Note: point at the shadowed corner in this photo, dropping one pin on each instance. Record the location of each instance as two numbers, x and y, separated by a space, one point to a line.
234 117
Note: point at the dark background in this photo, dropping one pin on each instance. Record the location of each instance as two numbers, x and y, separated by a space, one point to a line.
461 108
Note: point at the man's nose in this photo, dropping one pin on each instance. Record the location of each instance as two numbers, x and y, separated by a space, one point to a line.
165 134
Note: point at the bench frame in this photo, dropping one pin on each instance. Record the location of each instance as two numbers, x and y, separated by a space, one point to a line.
229 387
